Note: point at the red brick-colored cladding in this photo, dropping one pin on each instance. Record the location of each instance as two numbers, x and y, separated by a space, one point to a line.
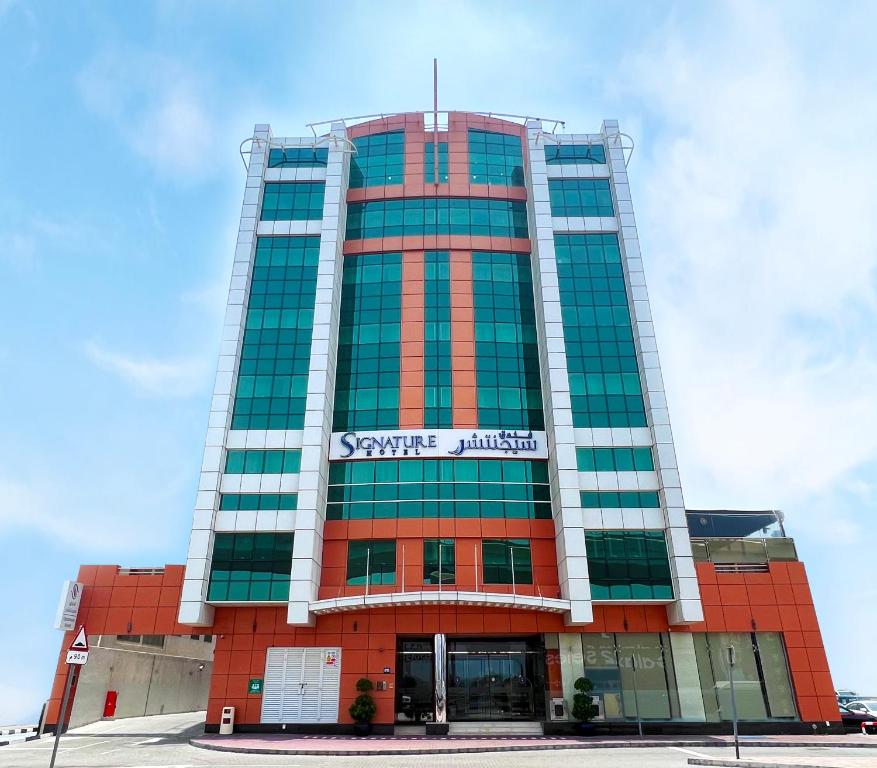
777 601
437 243
409 533
368 643
463 389
464 406
457 137
112 603
411 386
459 186
122 604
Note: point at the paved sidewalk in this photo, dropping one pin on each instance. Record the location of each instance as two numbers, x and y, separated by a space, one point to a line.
834 760
280 744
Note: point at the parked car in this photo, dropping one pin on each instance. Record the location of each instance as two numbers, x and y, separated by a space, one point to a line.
865 706
852 719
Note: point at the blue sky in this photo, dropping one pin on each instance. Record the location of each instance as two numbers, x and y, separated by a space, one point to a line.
754 180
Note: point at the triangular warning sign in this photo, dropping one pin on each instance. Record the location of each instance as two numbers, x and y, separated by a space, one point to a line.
80 642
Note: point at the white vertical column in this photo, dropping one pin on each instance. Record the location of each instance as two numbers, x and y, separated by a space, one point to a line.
686 608
193 608
687 676
572 664
572 560
307 547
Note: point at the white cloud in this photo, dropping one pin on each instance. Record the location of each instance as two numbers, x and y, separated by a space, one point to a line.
58 507
158 103
25 246
761 249
154 376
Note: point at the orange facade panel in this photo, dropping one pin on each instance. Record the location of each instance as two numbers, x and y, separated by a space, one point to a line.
411 389
368 638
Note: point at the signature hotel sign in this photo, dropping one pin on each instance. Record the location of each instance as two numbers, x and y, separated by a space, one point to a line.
438 443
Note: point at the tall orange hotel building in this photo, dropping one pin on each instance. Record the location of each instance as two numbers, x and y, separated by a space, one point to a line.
439 456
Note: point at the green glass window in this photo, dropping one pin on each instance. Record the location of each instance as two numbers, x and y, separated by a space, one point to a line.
298 157
437 216
293 201
506 351
260 501
437 411
379 160
580 197
438 561
256 462
418 488
369 343
372 561
574 154
429 162
614 459
620 499
495 158
273 377
506 561
604 380
628 565
250 567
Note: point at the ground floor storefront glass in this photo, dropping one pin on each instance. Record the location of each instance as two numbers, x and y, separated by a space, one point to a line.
487 679
680 676
496 679
650 676
761 677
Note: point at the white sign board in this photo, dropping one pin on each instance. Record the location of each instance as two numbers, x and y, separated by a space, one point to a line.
439 443
77 657
68 606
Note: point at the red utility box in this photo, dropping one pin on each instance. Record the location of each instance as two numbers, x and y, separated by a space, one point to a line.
110 704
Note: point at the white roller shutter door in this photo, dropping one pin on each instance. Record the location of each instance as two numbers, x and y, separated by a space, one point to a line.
302 685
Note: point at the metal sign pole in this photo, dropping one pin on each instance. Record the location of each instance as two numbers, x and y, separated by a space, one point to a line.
639 721
368 553
731 662
62 713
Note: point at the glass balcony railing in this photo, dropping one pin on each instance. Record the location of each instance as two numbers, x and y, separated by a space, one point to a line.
743 550
734 524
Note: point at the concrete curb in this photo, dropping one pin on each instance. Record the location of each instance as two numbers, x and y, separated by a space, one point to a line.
19 741
456 745
743 763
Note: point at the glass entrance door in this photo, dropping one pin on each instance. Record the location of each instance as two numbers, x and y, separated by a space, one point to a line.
495 680
414 681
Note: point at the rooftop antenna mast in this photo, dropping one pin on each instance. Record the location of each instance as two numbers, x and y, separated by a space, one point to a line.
435 141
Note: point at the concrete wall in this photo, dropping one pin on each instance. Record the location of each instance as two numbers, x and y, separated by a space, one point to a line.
147 684
174 645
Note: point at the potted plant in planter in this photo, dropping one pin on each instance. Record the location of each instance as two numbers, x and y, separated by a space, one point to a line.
363 708
583 707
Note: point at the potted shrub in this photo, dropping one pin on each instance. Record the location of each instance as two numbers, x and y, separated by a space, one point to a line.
583 707
363 708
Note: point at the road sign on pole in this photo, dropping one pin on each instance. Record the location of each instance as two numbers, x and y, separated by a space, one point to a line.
77 653
732 661
80 642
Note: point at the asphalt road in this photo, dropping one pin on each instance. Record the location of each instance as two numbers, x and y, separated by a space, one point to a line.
162 742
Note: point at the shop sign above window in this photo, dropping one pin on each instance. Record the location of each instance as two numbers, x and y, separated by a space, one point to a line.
439 443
